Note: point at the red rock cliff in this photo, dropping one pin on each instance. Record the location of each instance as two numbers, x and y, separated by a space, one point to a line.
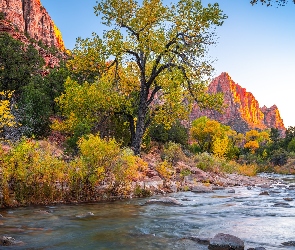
242 111
30 17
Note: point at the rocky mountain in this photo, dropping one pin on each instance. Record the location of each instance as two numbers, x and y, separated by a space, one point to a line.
28 21
242 111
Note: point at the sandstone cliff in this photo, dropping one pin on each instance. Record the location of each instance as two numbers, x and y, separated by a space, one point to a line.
30 17
28 21
242 111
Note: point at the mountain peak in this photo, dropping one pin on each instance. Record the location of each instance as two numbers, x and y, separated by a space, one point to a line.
242 111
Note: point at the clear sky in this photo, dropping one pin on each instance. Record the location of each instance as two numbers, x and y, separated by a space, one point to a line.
256 45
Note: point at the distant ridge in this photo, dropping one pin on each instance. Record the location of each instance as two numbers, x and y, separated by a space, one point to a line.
242 112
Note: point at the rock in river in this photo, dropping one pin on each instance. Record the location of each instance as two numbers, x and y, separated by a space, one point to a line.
226 242
9 241
164 201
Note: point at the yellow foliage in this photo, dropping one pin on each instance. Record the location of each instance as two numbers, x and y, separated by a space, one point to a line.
220 146
252 145
6 118
252 135
40 175
248 170
165 170
212 136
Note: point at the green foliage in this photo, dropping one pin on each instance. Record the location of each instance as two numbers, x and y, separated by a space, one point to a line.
18 63
37 103
173 153
213 137
279 157
85 107
35 108
291 145
177 133
36 173
2 16
210 163
156 54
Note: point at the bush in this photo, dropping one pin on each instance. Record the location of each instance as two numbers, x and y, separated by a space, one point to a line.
210 163
173 153
36 173
165 170
177 133
31 173
279 157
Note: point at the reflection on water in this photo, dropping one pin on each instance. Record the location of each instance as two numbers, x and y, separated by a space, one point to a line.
259 220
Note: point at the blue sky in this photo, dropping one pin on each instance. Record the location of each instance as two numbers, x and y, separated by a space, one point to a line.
256 45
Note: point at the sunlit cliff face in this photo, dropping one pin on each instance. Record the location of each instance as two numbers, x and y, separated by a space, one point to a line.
30 17
242 111
59 39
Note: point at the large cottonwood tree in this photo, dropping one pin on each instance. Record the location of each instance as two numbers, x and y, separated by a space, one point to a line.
159 51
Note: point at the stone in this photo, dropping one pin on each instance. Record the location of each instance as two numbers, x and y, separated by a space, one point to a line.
242 112
281 204
201 189
226 242
288 199
164 201
231 191
289 243
9 241
264 193
264 186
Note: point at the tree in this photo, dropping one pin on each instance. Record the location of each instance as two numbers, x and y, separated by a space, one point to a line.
163 49
271 2
213 137
18 62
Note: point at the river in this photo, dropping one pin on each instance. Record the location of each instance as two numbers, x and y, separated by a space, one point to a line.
259 220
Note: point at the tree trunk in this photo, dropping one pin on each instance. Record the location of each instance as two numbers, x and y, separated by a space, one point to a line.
141 119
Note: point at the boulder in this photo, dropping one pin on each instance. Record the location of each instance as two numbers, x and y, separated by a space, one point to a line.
231 191
226 242
8 241
289 243
201 189
164 201
264 193
288 199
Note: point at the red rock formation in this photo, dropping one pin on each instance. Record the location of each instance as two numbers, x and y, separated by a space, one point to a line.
30 17
241 110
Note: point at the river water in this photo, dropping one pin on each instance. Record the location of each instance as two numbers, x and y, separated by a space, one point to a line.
259 220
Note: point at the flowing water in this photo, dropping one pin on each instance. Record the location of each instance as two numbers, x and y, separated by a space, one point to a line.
259 220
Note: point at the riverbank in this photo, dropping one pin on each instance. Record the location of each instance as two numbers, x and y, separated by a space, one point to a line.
39 173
